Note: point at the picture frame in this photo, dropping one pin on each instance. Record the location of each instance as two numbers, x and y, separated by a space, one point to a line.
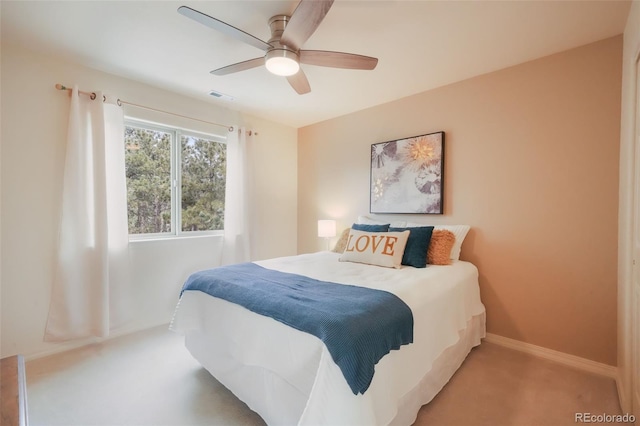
407 175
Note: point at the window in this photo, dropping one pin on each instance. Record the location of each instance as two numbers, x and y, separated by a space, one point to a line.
175 180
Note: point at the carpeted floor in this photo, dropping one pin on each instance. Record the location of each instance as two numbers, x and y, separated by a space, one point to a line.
149 378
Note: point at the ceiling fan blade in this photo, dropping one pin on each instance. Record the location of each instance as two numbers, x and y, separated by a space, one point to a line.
299 82
325 58
304 21
223 27
240 66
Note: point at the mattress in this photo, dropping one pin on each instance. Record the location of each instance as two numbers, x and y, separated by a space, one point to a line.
289 378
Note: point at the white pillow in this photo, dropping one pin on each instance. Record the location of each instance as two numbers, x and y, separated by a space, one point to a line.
460 231
375 248
366 220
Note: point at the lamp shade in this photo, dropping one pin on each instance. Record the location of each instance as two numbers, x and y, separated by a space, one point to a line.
326 228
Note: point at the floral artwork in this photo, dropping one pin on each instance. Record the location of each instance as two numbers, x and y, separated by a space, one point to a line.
406 175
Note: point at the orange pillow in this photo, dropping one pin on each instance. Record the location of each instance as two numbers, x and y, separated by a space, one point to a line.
439 252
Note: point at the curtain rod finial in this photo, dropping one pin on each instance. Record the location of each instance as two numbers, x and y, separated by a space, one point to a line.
61 87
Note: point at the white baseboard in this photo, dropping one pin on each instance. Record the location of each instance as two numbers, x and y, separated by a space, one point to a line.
60 347
556 356
75 344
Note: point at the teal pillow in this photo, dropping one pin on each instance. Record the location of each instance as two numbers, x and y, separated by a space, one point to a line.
370 228
415 252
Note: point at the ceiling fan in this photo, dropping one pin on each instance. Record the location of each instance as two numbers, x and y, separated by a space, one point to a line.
283 50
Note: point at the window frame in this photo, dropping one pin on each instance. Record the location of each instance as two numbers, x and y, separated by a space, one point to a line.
176 133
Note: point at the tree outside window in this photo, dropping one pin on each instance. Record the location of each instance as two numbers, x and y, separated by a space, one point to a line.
171 183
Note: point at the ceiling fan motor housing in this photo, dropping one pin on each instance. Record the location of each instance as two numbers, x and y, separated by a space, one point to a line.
280 59
277 24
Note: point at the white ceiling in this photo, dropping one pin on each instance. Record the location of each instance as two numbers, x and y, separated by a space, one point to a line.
420 45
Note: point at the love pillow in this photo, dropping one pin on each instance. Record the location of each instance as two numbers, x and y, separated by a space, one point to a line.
375 248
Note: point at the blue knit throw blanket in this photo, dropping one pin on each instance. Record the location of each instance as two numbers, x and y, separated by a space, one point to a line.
358 325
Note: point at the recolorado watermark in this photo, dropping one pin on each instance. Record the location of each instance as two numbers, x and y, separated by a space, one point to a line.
604 418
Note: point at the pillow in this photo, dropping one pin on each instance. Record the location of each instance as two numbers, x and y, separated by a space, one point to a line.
342 241
370 228
375 248
415 252
366 220
460 231
439 252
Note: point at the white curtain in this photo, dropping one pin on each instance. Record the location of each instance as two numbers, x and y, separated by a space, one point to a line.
90 289
237 211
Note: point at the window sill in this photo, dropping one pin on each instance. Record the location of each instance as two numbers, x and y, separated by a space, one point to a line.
158 238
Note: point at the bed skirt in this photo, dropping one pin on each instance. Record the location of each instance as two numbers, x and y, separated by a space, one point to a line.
442 370
280 393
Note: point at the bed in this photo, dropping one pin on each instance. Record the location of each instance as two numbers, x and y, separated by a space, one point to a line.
289 377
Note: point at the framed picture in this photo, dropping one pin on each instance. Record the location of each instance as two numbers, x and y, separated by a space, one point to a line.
407 175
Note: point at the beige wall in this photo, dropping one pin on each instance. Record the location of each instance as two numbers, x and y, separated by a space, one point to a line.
34 120
531 164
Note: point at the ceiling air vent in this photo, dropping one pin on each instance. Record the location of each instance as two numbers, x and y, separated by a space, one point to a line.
221 95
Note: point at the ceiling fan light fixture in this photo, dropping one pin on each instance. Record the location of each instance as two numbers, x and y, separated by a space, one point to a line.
284 49
282 62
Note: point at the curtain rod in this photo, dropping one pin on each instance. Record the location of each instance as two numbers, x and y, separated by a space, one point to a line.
92 96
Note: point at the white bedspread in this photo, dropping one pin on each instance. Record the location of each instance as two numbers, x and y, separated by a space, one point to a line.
255 355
